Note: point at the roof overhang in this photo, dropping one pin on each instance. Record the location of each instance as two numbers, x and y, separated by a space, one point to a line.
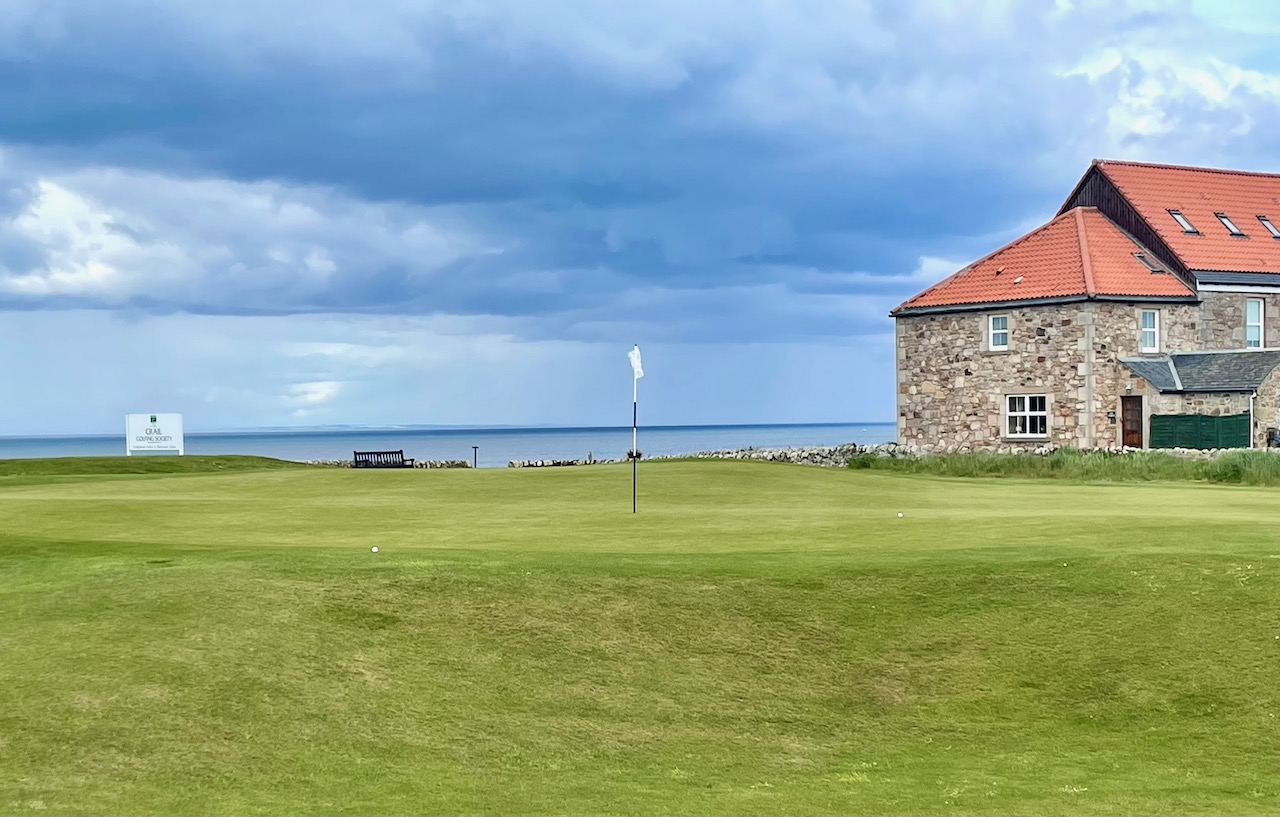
1245 288
1065 299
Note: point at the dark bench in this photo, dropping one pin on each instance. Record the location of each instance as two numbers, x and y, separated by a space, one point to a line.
380 459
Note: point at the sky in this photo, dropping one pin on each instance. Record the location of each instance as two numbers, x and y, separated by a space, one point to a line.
466 212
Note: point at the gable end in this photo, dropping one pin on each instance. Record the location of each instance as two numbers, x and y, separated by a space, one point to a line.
1096 190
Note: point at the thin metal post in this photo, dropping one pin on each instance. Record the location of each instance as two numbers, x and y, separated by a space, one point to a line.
475 452
635 448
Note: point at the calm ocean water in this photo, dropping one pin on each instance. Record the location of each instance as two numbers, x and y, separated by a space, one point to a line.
497 446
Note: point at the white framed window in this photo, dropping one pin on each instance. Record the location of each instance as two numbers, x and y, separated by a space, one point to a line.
998 333
1026 415
1149 331
1182 221
1229 224
1147 262
1253 323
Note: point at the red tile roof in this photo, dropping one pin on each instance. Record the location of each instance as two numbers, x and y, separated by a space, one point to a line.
1079 253
1199 193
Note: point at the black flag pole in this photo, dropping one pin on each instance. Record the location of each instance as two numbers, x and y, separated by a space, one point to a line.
637 372
635 451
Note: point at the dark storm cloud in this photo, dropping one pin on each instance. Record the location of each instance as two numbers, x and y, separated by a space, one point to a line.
715 165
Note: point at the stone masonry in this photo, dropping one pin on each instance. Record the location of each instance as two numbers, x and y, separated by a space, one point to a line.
952 388
1222 323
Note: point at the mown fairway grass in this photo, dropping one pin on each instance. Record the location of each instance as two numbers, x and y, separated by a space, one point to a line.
759 639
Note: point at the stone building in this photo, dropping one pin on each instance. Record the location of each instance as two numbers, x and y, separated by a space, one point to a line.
1146 313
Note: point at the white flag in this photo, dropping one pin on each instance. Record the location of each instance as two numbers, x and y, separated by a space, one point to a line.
634 355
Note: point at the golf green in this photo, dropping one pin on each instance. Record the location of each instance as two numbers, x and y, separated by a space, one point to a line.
216 636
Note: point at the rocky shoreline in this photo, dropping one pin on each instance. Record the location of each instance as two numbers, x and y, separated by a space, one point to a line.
830 456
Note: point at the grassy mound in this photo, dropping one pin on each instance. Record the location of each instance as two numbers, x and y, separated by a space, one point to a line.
758 639
1233 468
94 466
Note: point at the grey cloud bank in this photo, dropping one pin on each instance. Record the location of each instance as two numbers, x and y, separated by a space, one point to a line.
572 178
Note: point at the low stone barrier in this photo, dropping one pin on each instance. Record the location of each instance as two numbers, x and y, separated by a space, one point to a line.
942 450
556 463
417 464
838 456
830 456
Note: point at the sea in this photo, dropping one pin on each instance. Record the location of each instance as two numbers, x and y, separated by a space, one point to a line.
487 447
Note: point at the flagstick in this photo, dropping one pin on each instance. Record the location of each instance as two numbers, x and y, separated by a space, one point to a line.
635 449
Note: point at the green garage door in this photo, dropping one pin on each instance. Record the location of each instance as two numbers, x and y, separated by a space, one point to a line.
1199 431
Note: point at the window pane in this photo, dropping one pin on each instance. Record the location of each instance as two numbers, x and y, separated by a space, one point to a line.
999 323
1017 402
1039 424
1037 403
1254 311
1255 337
1017 424
1000 339
1148 319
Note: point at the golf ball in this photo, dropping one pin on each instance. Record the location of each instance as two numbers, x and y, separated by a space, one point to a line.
375 547
899 516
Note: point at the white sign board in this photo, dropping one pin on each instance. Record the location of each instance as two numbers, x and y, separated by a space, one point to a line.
153 432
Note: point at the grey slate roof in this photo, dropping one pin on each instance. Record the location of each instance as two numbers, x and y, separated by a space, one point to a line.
1158 371
1235 370
1266 279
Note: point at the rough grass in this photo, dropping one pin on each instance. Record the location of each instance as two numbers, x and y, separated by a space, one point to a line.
94 466
1234 467
759 639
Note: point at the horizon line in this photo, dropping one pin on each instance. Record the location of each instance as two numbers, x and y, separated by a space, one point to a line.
391 429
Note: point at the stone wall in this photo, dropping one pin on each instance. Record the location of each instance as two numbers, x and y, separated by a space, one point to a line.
1115 336
416 464
951 388
1266 408
950 385
1223 316
550 463
1217 404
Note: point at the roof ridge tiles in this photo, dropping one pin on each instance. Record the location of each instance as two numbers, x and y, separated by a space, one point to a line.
1022 239
1196 168
1086 257
1086 266
967 268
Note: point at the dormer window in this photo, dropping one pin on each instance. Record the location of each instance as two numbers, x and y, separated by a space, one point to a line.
1182 221
1271 228
1229 224
1147 262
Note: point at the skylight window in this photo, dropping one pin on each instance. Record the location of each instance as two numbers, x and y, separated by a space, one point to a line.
1182 221
1271 228
1147 262
1229 224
